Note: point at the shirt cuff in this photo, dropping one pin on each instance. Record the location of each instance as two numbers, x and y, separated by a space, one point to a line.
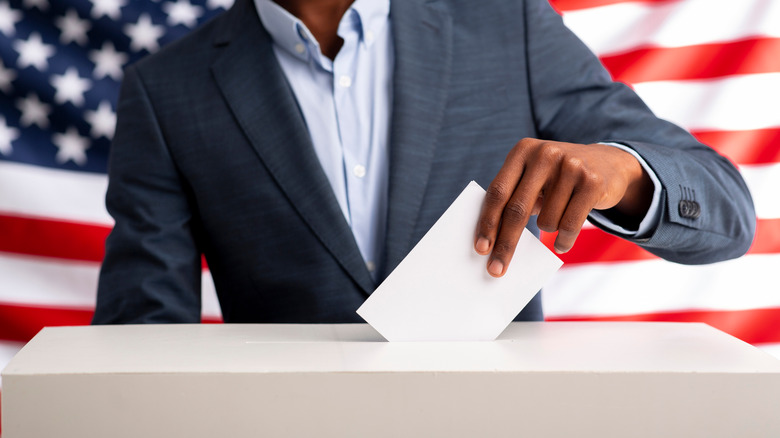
653 215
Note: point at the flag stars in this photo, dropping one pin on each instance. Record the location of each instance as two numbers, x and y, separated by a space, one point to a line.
108 8
8 19
34 112
7 135
224 4
70 87
33 52
6 77
42 5
72 28
103 120
144 35
71 147
108 62
182 12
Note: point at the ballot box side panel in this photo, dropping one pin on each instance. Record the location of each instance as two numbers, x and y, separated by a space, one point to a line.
550 404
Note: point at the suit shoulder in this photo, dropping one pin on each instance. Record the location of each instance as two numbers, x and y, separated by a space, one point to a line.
185 54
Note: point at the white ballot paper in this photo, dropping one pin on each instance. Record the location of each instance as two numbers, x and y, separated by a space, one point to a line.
441 291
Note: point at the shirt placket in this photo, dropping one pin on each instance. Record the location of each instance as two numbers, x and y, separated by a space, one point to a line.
355 139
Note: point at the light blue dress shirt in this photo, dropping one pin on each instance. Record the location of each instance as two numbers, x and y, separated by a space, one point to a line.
347 103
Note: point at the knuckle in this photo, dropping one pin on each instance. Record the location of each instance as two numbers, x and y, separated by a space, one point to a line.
497 193
515 212
592 180
574 164
546 224
569 225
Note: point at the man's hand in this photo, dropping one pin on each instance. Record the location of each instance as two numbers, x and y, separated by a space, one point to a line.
562 183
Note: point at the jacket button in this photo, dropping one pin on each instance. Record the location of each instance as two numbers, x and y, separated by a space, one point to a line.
689 209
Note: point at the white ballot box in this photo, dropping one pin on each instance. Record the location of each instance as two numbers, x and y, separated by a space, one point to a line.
536 380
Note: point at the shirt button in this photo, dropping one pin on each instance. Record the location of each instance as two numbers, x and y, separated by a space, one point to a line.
371 266
369 36
300 48
359 171
345 81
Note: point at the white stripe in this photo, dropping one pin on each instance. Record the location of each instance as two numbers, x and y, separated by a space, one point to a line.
605 289
7 351
36 191
625 26
772 349
38 281
727 104
764 182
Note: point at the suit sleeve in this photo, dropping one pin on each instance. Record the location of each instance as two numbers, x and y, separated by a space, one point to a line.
575 100
152 269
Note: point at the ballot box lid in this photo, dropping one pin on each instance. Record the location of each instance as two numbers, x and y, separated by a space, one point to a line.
283 348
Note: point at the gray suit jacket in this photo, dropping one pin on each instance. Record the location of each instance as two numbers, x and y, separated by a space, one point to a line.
212 156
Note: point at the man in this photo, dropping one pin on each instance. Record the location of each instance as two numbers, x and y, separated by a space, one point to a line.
305 146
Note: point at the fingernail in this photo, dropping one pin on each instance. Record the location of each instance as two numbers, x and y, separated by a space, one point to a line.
483 245
496 268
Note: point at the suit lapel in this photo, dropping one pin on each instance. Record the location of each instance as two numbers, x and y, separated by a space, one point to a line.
423 54
253 84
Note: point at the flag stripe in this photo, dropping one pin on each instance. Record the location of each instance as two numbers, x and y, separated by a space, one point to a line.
763 182
705 61
50 238
734 103
594 245
19 323
571 5
652 286
27 190
628 26
758 146
754 326
41 281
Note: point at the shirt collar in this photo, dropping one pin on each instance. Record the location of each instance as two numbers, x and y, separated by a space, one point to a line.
289 32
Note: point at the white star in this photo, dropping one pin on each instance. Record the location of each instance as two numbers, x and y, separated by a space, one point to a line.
182 12
103 120
6 77
72 147
144 34
42 5
108 62
109 8
224 4
8 19
32 52
34 112
7 136
73 28
70 87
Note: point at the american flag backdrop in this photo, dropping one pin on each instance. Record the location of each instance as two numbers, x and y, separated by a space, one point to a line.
711 66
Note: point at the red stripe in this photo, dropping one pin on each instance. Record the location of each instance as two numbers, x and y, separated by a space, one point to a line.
54 239
759 146
49 238
594 245
571 5
755 326
19 323
705 61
